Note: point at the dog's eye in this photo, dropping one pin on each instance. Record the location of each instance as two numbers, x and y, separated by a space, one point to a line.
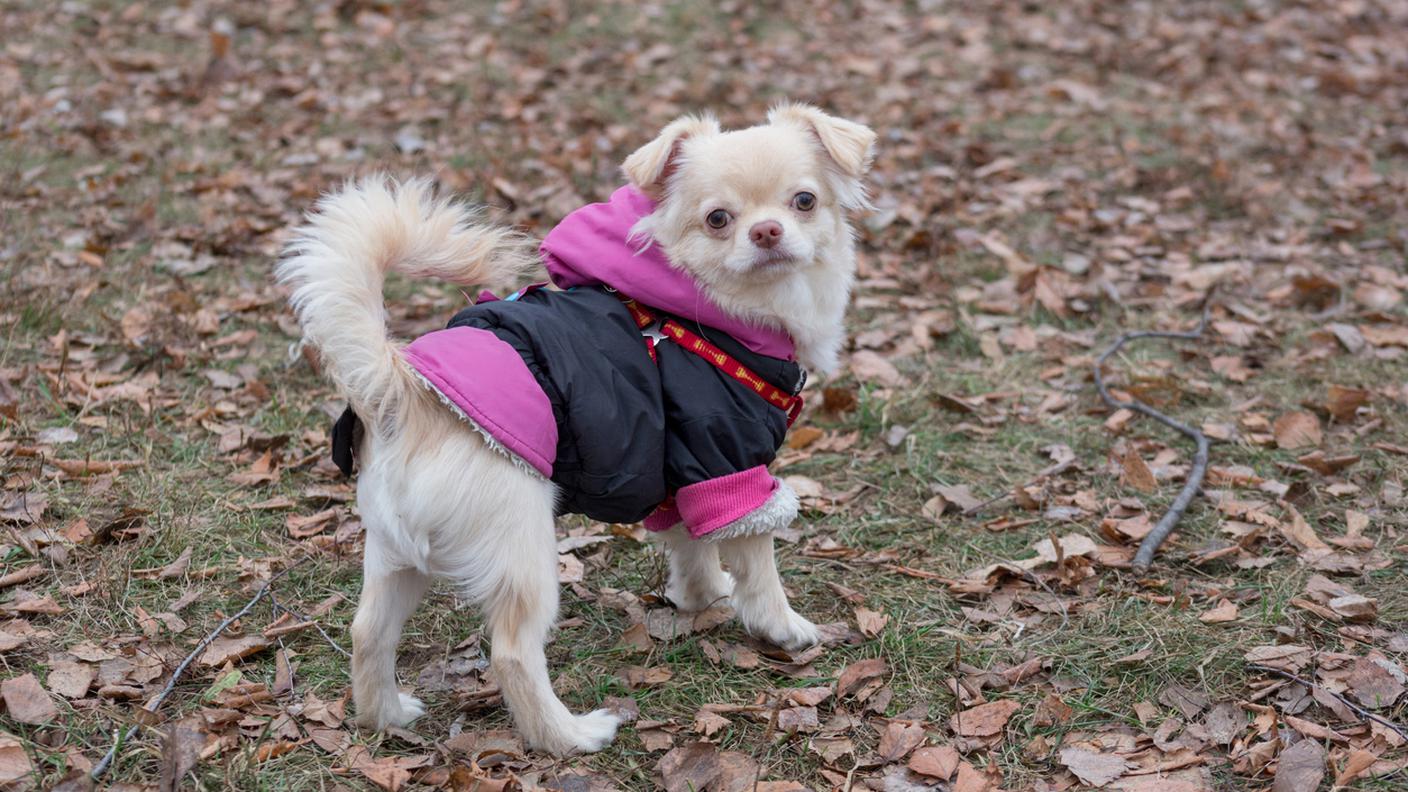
804 201
717 218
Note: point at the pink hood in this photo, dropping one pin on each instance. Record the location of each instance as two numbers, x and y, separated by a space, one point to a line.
590 247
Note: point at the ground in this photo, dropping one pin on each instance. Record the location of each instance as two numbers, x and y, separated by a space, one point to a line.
1048 176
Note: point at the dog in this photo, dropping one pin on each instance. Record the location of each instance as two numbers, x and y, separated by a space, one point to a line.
744 238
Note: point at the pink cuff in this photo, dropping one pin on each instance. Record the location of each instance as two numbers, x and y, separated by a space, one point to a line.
710 505
665 517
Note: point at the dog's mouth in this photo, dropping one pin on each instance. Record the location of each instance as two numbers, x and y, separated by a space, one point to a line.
772 260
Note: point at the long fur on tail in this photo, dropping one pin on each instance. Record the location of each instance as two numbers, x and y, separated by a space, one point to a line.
337 262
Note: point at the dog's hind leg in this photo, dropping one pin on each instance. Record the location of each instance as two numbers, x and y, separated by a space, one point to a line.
520 608
696 579
388 599
758 596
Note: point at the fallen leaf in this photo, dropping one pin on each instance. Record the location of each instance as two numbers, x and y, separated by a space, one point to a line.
1373 685
1359 760
70 679
701 767
1343 403
984 720
1095 769
935 761
1225 611
898 739
1137 474
225 650
855 674
14 761
1297 429
180 749
1300 768
868 366
26 701
871 623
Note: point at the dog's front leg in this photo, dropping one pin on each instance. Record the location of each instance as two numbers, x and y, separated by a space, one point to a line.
697 581
758 597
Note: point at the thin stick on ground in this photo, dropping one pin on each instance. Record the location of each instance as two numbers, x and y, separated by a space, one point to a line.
1360 711
1049 472
102 767
1166 524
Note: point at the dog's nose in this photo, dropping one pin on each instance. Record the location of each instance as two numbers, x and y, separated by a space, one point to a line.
766 234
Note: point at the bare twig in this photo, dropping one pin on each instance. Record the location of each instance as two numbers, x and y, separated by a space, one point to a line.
1165 526
1050 471
279 606
102 767
1361 712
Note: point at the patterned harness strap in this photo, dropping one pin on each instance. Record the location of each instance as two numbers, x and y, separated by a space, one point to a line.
719 359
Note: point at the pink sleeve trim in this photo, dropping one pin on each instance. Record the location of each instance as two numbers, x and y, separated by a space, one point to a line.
710 505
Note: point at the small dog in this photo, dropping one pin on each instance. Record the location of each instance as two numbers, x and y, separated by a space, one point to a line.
734 244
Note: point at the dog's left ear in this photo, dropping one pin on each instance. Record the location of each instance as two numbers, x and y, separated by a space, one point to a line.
649 168
850 146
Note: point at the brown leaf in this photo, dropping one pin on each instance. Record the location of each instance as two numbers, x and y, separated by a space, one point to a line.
1359 760
180 749
1137 473
1300 768
304 526
857 673
871 623
1343 403
636 639
70 679
1095 769
224 650
1297 429
701 767
655 740
26 701
798 719
935 761
971 779
1225 611
898 739
1355 608
868 366
388 772
1299 531
984 720
14 761
1373 685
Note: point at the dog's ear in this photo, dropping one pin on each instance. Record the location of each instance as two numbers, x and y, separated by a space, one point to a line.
850 146
651 165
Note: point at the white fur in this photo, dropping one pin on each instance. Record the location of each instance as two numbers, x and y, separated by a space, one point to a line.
439 501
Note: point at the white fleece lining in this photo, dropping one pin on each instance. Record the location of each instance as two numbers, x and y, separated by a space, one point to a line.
489 440
776 513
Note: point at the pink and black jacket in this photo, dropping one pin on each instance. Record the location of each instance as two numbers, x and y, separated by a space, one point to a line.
629 426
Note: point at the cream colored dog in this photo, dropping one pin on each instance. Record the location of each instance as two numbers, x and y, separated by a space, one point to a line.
437 501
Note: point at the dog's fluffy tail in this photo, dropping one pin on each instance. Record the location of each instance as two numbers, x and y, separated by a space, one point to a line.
337 262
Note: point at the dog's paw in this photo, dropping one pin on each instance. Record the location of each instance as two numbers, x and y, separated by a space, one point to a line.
581 734
410 709
596 730
792 631
401 712
695 595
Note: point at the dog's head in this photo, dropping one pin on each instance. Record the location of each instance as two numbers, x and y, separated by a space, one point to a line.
754 207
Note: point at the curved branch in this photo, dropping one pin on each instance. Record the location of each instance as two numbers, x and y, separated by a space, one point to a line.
1165 526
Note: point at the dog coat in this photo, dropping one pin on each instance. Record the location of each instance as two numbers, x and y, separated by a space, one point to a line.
626 387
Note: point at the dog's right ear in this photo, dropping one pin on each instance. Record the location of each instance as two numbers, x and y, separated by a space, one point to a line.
651 165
